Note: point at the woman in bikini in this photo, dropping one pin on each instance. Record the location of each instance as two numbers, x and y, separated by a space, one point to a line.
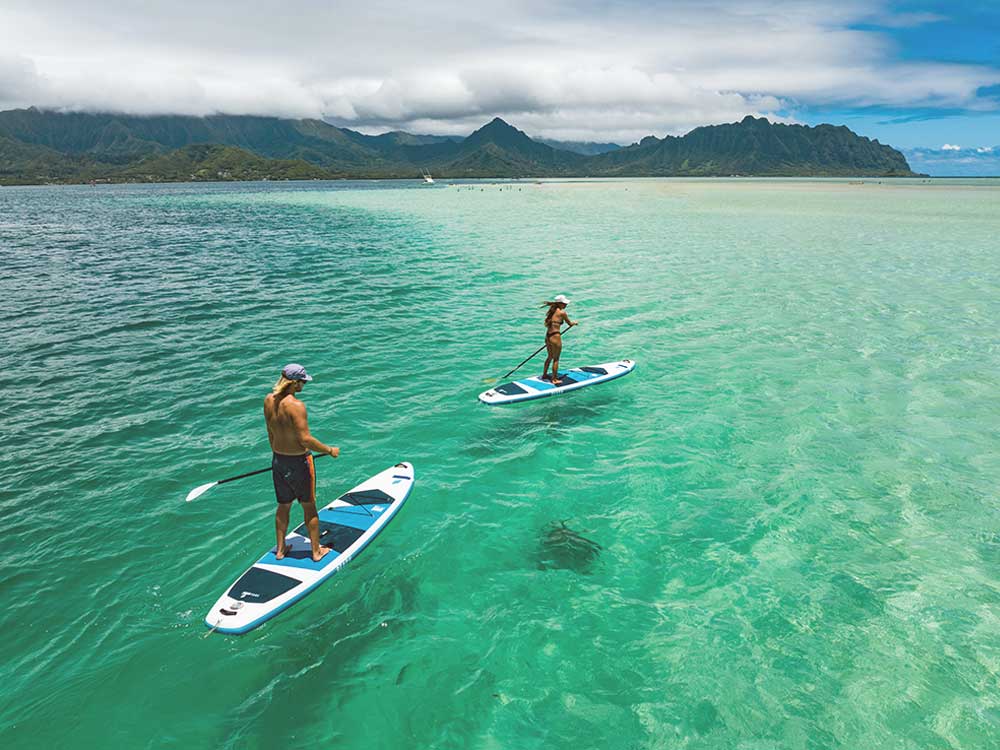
554 319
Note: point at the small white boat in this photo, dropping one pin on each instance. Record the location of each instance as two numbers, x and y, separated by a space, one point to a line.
428 179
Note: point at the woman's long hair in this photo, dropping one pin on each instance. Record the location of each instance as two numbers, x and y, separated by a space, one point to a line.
553 306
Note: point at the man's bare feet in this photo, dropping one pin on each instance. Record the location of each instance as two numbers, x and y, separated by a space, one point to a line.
323 552
280 555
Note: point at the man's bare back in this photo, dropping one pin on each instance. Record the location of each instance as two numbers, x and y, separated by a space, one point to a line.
286 422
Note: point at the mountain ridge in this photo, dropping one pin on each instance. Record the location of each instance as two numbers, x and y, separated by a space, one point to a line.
38 146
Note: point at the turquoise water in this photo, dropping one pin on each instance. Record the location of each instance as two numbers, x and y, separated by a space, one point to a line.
782 531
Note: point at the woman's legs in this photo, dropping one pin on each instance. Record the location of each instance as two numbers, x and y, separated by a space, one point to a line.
555 349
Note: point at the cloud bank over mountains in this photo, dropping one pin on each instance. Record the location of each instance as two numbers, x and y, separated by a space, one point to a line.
569 71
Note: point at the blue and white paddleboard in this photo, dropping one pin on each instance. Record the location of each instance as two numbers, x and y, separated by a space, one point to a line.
579 377
347 525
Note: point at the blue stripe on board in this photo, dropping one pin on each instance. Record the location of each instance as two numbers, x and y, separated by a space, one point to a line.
352 515
569 378
297 562
356 518
535 383
543 385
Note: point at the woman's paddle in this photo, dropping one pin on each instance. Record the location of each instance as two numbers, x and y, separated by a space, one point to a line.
201 490
493 380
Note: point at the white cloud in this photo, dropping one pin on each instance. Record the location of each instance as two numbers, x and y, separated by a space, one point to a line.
951 147
954 163
582 70
984 150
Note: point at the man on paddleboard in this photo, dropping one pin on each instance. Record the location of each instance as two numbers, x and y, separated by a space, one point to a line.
292 465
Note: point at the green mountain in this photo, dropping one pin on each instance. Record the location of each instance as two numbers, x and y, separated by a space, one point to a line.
27 162
121 139
587 148
495 150
389 142
40 146
755 146
514 144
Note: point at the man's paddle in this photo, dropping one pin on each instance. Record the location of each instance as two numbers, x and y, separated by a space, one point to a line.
493 380
202 489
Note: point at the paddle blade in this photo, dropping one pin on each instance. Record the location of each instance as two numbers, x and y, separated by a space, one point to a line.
199 491
489 381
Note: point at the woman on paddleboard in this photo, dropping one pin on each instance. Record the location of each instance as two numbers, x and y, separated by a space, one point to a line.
554 319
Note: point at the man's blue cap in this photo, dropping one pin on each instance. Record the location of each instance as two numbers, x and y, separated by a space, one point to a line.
296 372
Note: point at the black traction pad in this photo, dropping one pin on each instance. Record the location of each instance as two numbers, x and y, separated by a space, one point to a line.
368 497
333 535
259 585
510 389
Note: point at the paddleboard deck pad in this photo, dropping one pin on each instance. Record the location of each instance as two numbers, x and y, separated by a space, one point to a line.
571 380
347 526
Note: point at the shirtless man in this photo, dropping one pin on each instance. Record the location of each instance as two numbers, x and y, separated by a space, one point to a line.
292 465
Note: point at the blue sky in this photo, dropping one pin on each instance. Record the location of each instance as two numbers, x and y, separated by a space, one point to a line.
963 33
922 76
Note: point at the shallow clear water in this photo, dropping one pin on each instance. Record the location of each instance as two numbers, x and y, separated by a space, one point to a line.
782 531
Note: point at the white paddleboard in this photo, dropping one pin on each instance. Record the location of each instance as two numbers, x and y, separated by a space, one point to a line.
579 377
347 526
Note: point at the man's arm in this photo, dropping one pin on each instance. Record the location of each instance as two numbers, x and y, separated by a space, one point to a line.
301 423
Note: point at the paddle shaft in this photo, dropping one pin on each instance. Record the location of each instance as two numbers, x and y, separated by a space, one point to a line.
261 471
531 357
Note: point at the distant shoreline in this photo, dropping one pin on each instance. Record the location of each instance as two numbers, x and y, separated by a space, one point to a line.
446 181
